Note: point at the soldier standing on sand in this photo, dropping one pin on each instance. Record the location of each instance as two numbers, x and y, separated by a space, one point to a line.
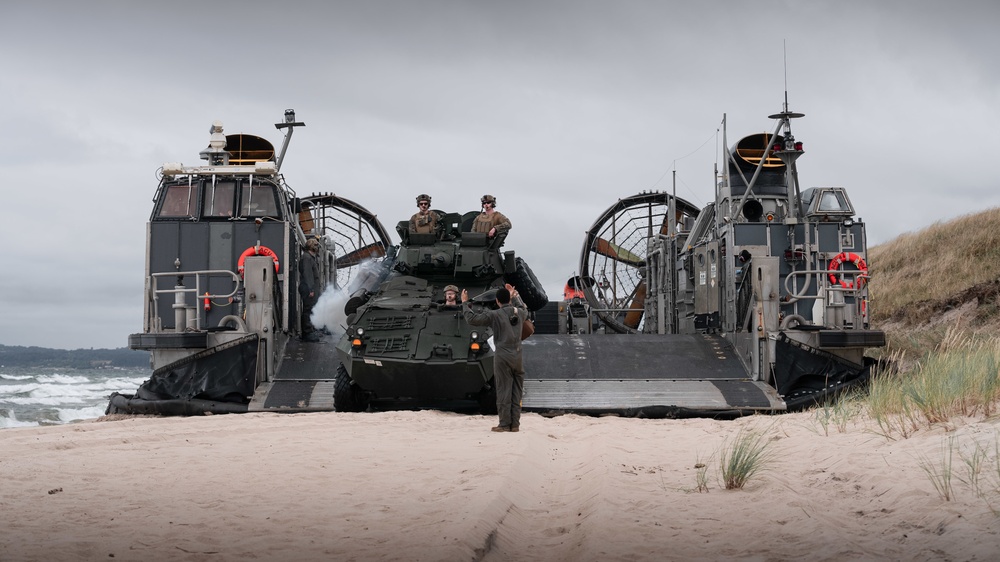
508 365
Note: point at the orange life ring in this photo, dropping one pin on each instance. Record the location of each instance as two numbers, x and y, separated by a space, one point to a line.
839 260
257 251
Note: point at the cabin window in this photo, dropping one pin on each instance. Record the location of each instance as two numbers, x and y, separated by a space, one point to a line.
180 200
219 199
259 200
832 202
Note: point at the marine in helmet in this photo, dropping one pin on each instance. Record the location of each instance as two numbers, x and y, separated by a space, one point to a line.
451 296
309 288
424 221
490 221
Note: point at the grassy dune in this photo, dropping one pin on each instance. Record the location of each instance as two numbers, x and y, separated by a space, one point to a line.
935 293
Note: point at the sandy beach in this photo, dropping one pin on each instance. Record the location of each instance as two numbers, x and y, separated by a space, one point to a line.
440 486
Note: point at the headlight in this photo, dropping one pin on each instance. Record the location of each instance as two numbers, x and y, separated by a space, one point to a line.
474 336
359 332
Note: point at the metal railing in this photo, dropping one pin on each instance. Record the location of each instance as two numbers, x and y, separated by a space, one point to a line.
860 279
186 317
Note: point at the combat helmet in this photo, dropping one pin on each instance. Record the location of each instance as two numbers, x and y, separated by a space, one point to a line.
424 197
488 199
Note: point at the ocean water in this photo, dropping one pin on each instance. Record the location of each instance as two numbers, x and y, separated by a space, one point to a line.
41 396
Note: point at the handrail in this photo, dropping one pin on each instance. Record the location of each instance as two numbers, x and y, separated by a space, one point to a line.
794 297
180 300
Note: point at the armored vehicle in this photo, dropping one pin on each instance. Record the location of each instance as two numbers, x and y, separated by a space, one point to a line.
404 345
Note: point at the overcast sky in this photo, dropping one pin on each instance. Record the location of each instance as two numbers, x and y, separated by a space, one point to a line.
557 108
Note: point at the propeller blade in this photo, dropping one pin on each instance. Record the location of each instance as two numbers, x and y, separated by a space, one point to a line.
616 252
637 306
373 250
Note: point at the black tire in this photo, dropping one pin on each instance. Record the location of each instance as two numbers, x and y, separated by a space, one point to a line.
488 400
354 303
347 396
527 285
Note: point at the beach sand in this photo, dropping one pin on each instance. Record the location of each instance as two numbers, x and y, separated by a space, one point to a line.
432 485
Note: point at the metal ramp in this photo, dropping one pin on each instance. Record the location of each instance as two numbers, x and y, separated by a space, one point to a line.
304 382
639 374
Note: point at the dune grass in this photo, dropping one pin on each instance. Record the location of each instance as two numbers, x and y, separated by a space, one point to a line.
959 377
921 280
701 476
933 264
940 473
743 457
840 412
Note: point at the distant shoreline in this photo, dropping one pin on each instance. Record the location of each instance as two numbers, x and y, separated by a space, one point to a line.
32 356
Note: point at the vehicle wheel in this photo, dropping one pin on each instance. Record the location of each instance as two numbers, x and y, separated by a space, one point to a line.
347 396
488 401
524 280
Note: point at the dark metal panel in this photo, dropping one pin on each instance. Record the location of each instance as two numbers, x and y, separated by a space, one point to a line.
829 237
192 248
309 360
851 338
857 231
739 394
630 356
171 241
220 246
196 340
391 378
654 398
750 234
294 396
289 394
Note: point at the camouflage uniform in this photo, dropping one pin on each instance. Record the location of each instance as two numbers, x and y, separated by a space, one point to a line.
486 221
424 223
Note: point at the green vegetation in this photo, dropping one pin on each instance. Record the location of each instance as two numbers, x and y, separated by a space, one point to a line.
940 473
958 378
701 476
936 293
922 280
961 377
840 412
746 455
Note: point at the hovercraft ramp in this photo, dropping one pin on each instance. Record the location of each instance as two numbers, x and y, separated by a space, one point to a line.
304 382
639 374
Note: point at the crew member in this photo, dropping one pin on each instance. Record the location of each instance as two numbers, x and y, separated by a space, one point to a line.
424 221
451 296
508 365
490 221
309 287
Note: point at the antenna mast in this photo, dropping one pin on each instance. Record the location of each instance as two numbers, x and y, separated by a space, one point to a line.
784 63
